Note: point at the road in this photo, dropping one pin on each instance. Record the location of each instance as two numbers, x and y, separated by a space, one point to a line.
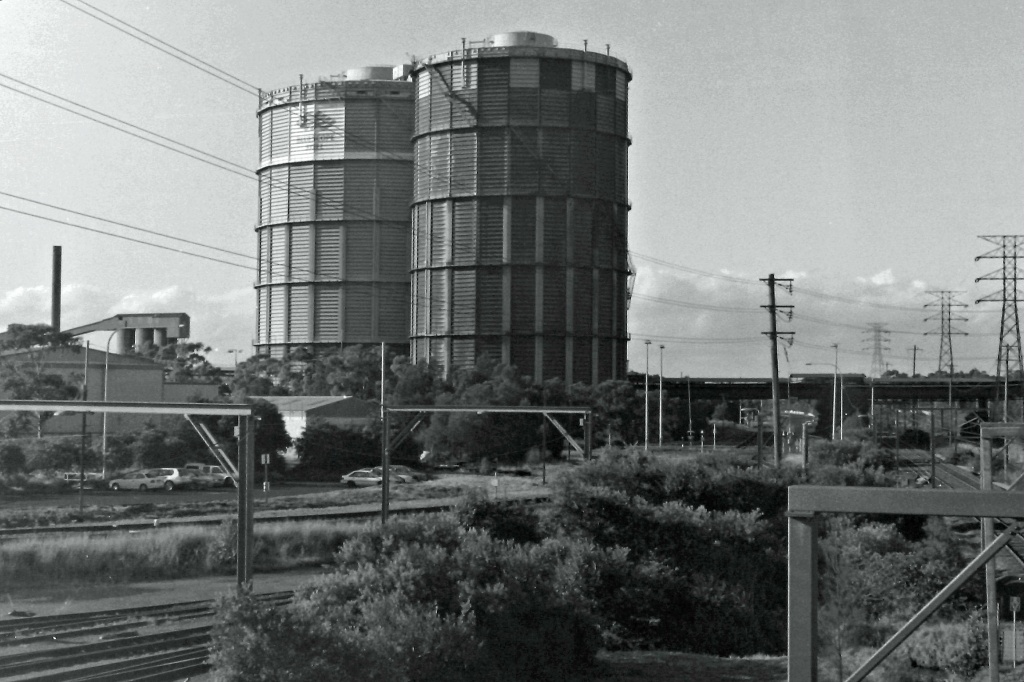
110 498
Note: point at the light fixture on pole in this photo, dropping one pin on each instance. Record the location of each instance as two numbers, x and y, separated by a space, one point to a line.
835 390
661 392
235 352
647 394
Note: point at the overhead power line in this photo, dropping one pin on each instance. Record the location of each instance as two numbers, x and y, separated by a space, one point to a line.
209 69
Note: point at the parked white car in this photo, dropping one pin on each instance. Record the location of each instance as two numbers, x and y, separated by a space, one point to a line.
363 478
153 479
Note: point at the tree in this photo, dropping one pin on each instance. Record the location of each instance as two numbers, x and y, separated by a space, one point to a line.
262 375
325 449
12 459
25 375
270 437
183 361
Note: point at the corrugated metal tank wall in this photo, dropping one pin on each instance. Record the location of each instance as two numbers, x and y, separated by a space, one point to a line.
520 209
335 178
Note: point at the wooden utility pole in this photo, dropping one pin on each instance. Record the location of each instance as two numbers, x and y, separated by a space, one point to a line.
774 335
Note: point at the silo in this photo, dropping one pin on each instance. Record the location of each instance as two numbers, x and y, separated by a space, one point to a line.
335 184
520 208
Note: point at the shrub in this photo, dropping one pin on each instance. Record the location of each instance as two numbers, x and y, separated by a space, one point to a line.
12 459
502 520
427 600
957 648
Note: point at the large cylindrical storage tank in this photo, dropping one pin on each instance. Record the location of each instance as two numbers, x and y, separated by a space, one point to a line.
335 178
520 209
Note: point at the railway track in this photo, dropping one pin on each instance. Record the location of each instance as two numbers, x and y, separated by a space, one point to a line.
165 642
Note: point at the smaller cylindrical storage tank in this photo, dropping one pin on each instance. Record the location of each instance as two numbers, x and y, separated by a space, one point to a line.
335 176
520 209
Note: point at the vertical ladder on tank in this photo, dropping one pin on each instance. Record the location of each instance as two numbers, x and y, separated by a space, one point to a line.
214 447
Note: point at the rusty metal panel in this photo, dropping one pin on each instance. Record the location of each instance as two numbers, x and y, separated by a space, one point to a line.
463 352
555 146
262 315
554 231
439 308
300 267
264 255
360 186
394 190
463 158
438 351
553 356
464 302
582 233
555 74
330 191
583 111
524 230
621 118
523 297
577 75
523 165
277 314
490 303
464 76
421 164
524 72
266 135
554 303
554 108
328 251
493 161
439 234
440 160
493 92
621 83
420 297
523 354
278 253
300 193
422 111
584 162
523 106
621 173
604 113
421 236
464 233
605 297
440 107
298 311
582 307
492 232
393 311
464 109
358 324
582 359
603 231
360 126
393 261
394 126
606 147
280 134
605 367
589 72
359 258
328 130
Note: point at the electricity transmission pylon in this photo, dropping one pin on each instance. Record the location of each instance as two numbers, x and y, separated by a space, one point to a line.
946 301
1009 249
879 339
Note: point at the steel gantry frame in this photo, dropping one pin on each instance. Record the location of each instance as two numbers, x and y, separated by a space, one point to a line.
421 411
246 447
807 502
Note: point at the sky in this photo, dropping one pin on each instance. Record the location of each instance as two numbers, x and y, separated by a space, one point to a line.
858 148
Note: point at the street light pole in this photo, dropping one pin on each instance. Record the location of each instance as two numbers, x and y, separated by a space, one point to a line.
661 392
647 394
106 370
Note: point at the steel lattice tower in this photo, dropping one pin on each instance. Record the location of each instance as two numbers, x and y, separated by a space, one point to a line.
946 301
879 337
1009 250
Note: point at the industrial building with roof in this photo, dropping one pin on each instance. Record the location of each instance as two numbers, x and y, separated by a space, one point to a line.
512 155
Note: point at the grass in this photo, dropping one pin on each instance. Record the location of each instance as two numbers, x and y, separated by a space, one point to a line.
163 553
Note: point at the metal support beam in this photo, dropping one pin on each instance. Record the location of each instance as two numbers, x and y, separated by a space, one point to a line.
246 465
803 598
